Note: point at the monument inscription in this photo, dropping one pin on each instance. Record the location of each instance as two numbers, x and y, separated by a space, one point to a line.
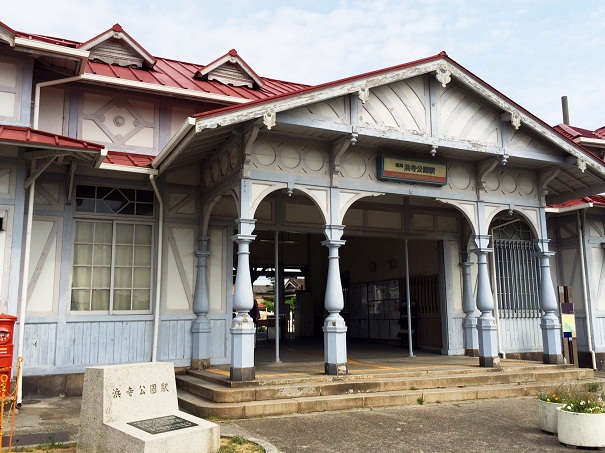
162 424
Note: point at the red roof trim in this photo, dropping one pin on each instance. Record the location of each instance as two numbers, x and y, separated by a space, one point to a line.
37 138
128 159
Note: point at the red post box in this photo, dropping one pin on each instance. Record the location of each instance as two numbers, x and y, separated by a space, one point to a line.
7 329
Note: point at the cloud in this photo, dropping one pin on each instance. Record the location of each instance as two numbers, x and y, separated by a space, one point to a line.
531 51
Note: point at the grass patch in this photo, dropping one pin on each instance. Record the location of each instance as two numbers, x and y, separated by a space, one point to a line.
593 387
420 400
238 444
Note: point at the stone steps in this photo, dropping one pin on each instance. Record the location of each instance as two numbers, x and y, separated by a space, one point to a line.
205 395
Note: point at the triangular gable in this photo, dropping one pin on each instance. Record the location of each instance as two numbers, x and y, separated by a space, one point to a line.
6 34
231 69
117 47
441 66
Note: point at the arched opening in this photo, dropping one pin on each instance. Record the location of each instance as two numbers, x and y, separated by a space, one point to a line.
516 285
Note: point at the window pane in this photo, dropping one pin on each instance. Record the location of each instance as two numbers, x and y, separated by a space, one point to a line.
80 298
126 209
102 255
142 278
100 299
103 208
81 277
122 277
142 256
85 191
144 209
101 277
121 299
124 255
141 299
145 196
84 232
143 235
124 233
82 254
103 233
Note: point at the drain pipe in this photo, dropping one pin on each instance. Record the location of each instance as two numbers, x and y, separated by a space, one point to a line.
158 284
25 280
585 288
41 85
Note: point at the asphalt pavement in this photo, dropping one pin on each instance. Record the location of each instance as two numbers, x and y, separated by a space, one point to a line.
502 425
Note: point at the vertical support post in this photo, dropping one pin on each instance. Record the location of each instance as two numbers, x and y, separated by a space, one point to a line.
469 324
335 342
242 327
200 328
550 324
486 323
278 285
409 301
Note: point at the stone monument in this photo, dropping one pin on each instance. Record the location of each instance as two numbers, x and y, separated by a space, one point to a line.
133 408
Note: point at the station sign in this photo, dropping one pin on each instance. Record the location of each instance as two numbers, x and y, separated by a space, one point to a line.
395 169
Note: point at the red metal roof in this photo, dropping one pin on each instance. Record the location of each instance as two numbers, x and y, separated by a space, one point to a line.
172 73
573 132
128 159
33 137
179 74
596 200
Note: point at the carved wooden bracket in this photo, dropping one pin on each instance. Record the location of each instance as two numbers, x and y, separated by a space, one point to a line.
339 147
513 117
364 94
444 75
485 168
269 119
546 177
249 139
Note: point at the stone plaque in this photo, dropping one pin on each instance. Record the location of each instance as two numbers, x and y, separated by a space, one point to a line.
162 424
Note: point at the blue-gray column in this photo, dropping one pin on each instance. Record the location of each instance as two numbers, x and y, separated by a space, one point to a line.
242 327
469 324
486 323
335 330
550 324
200 328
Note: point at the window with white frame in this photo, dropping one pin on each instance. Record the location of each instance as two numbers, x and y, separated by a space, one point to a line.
112 256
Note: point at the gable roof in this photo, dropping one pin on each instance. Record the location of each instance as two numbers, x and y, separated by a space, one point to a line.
115 46
230 69
585 170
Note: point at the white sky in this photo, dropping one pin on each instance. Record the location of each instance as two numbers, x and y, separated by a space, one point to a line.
533 51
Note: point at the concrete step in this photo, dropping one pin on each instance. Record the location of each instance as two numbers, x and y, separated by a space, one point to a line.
249 409
208 394
281 388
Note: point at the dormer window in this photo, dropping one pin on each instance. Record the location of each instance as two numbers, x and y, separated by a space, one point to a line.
231 69
117 47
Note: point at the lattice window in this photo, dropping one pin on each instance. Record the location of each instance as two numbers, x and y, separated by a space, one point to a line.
517 273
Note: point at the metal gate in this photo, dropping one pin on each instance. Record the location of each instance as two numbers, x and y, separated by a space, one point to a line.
516 279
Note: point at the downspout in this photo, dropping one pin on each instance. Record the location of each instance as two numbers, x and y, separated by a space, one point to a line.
585 289
158 284
25 280
41 85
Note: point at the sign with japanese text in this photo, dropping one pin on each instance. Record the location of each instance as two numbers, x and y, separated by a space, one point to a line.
394 169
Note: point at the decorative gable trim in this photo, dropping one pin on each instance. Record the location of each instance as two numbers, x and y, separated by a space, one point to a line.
231 69
115 46
6 34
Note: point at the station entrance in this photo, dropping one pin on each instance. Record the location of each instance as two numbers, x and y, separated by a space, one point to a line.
373 276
